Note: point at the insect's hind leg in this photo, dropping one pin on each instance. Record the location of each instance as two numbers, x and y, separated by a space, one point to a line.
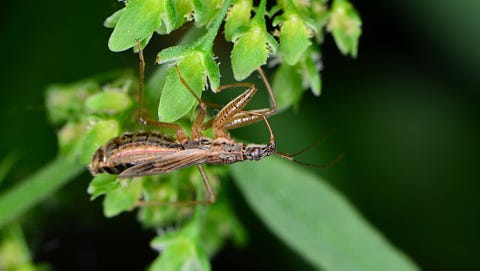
197 124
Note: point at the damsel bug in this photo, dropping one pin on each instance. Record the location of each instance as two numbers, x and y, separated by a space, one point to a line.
151 153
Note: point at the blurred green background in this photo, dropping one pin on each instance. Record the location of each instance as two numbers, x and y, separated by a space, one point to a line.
406 114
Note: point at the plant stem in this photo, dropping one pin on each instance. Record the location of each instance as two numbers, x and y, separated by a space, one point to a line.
36 188
206 42
260 13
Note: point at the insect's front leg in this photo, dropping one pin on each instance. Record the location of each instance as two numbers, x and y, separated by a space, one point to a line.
197 125
180 134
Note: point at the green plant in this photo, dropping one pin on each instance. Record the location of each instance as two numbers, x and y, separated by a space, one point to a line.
332 236
14 252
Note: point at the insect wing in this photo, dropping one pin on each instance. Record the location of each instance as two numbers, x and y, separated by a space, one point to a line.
166 164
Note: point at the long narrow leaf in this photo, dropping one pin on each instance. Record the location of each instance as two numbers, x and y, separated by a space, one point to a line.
315 220
37 187
7 164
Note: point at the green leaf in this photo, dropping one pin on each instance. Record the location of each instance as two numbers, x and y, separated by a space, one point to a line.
181 254
180 250
221 223
122 199
171 187
173 53
212 72
36 188
168 16
96 136
313 219
183 10
294 39
112 21
250 51
138 20
162 241
176 100
287 85
345 25
101 184
14 251
311 73
109 102
70 139
252 45
205 11
238 16
320 15
195 58
290 82
66 102
7 164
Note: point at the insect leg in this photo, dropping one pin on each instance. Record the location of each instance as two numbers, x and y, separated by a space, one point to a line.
211 195
229 111
197 125
181 136
232 116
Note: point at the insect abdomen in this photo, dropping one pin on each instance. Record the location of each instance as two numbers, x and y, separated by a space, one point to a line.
130 149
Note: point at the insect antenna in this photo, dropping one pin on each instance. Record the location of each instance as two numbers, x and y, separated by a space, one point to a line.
314 143
320 166
291 156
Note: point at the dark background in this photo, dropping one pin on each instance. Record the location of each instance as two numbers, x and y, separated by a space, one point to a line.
406 114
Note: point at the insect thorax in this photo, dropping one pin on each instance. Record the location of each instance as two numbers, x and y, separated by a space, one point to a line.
203 143
223 151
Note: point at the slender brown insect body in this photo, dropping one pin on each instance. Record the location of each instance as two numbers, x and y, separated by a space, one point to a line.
151 153
130 149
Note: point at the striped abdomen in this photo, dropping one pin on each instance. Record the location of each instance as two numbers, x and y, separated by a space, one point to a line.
131 149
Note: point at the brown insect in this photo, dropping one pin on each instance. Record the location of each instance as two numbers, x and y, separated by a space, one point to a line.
151 153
